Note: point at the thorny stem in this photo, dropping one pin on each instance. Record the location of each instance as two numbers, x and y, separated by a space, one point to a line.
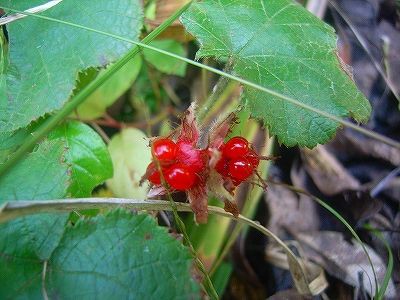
199 264
219 89
209 287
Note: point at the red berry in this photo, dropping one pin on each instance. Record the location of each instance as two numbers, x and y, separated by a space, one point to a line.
236 147
164 149
153 174
180 177
253 158
240 169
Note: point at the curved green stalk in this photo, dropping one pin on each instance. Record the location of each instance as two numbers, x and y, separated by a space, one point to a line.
16 209
389 268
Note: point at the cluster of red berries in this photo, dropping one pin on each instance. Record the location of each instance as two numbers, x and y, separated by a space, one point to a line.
238 160
181 163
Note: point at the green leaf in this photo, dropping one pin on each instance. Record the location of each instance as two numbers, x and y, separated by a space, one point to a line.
88 156
130 155
45 57
279 45
120 256
97 103
114 256
25 244
9 142
43 174
164 64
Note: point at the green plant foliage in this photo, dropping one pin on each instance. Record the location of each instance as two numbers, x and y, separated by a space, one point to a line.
95 105
130 155
115 256
45 57
166 65
279 45
25 244
120 256
9 142
141 92
88 156
43 174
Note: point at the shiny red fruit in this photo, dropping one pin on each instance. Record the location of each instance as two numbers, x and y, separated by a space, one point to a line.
180 177
240 169
236 147
253 158
164 150
153 174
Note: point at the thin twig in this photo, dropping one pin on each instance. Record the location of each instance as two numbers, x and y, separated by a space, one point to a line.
101 132
382 183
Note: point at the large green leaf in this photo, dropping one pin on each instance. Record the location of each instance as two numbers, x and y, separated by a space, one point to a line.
25 245
88 156
9 142
120 256
27 242
114 256
45 56
130 155
279 45
43 174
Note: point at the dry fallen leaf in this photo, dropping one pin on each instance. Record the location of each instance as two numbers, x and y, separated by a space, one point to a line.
344 260
327 172
289 210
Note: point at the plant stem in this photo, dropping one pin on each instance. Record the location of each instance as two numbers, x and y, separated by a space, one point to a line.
219 91
16 209
209 287
68 108
182 228
389 269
